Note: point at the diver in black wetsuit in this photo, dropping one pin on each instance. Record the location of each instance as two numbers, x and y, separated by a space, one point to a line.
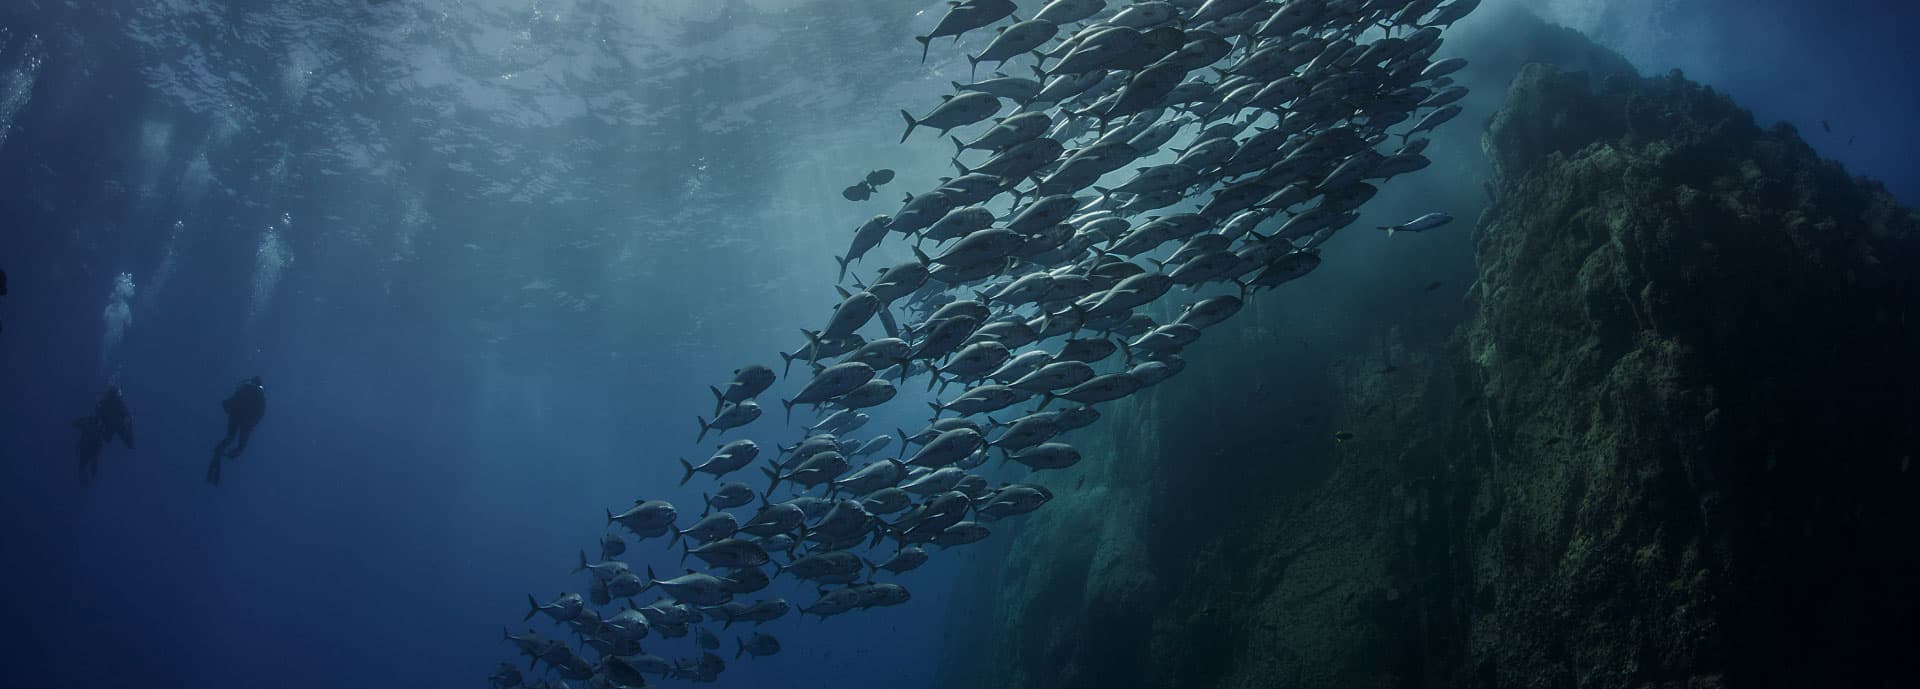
245 407
114 417
110 418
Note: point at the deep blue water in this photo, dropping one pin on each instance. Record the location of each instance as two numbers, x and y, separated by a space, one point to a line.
486 309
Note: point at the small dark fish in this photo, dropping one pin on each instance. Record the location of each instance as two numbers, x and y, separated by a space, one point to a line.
1431 286
879 177
857 192
1342 437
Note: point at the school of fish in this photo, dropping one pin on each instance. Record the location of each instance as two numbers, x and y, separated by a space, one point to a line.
1199 151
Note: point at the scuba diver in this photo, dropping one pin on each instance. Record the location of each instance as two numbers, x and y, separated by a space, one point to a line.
114 418
244 407
110 418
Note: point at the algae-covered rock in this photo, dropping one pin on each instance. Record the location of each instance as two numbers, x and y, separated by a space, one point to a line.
1698 365
1668 446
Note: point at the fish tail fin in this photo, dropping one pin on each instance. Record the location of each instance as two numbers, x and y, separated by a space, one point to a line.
922 256
1046 398
973 66
911 123
958 147
789 368
936 408
903 441
789 405
583 563
843 261
774 481
533 606
703 428
1126 351
719 399
689 467
926 43
743 647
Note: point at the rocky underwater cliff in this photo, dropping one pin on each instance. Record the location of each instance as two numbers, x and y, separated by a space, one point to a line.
1667 443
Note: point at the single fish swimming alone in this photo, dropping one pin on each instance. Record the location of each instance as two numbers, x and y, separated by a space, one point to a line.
1420 224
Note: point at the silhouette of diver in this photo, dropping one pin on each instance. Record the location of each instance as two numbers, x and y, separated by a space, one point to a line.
115 420
244 407
110 418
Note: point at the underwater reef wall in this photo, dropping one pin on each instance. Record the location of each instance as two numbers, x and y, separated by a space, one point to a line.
1669 445
1699 374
